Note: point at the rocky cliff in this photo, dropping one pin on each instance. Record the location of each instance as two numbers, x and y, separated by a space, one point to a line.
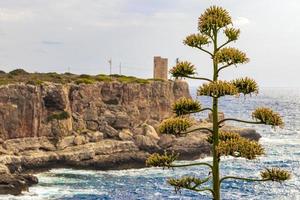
60 110
105 125
101 126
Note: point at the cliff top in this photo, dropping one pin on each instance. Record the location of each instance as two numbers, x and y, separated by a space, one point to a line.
21 76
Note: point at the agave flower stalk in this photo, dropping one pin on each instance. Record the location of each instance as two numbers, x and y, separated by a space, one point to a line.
210 26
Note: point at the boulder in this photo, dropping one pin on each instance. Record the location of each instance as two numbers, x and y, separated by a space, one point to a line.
3 151
152 122
27 144
95 136
109 132
16 184
248 133
125 134
149 131
92 125
146 143
122 121
138 131
65 142
4 169
166 141
193 146
79 140
109 117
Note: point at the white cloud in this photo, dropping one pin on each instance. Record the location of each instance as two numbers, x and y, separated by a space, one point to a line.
9 15
241 21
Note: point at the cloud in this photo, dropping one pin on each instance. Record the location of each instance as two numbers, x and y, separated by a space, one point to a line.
241 21
48 42
10 15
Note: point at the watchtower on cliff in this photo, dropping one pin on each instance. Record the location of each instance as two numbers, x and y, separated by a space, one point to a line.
160 68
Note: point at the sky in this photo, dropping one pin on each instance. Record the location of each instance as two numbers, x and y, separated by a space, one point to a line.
81 36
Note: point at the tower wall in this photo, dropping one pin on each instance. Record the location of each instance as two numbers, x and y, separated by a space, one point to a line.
160 68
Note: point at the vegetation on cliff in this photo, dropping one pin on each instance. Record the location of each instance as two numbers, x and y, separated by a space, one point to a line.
212 22
21 76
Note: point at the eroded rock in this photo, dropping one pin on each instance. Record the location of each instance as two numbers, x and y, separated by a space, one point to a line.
149 131
146 143
126 134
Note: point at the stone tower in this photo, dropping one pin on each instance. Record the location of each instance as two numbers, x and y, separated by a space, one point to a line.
160 68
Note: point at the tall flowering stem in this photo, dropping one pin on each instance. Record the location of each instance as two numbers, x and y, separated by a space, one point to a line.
213 22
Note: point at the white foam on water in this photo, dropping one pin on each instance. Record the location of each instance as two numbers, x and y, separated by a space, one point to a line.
42 193
286 141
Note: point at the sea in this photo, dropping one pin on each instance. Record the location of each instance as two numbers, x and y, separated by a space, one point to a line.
282 150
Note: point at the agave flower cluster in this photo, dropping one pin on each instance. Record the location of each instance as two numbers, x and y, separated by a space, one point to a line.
232 34
185 106
230 55
183 69
187 182
162 160
246 85
217 89
224 136
196 40
175 125
222 88
232 144
275 174
213 17
268 117
240 147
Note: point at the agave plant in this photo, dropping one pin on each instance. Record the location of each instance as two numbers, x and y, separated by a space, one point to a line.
210 26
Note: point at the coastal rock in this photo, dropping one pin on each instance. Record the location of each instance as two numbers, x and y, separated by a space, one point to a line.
122 121
248 133
65 142
107 125
3 151
95 136
166 141
27 144
92 125
146 143
193 146
126 134
109 131
79 140
16 184
149 131
32 110
4 169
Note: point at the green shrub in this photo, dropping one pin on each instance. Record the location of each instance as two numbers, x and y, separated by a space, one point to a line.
132 79
34 82
103 78
85 76
85 81
58 116
17 72
156 79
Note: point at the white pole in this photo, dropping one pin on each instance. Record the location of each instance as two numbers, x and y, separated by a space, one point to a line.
110 66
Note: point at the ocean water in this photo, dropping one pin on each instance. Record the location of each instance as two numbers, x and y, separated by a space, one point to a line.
282 150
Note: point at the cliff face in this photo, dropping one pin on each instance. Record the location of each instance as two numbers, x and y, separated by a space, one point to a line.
60 110
108 125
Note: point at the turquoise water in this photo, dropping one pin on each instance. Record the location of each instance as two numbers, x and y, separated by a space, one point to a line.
282 147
